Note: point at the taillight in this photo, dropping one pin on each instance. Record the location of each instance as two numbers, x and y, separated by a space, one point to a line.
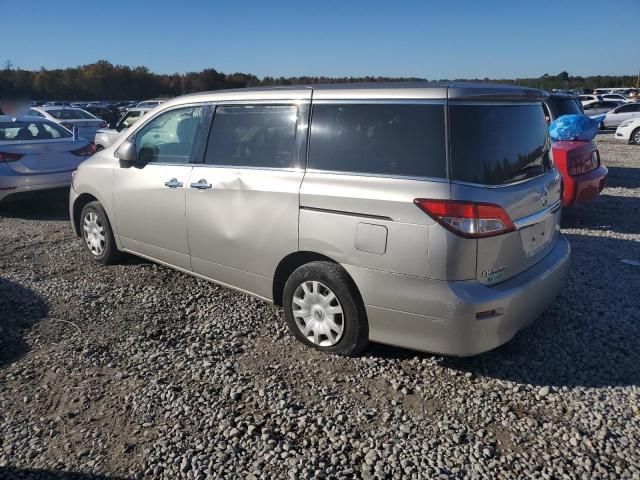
468 219
85 151
10 157
582 164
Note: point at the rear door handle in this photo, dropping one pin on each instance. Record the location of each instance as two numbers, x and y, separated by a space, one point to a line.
201 184
173 183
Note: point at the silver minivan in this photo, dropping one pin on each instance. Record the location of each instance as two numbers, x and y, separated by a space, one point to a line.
417 215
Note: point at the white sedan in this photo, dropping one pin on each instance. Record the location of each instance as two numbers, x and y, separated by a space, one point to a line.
619 114
629 130
36 154
71 118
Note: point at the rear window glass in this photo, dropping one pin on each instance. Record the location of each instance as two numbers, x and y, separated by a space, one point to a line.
566 106
31 131
498 144
384 139
70 114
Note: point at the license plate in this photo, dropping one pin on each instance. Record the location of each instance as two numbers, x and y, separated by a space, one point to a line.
536 237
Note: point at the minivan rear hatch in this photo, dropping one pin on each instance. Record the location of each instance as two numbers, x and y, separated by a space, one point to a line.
501 154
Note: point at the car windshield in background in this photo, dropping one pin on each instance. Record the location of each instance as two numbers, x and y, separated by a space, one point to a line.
498 144
31 131
567 106
70 114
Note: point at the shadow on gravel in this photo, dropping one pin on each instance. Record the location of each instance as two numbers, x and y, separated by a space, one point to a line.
45 205
38 474
604 214
20 308
624 176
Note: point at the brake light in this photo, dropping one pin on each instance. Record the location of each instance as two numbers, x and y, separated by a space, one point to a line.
10 157
577 165
468 219
85 151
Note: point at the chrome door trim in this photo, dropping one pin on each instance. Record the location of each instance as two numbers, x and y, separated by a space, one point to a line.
388 101
348 213
538 216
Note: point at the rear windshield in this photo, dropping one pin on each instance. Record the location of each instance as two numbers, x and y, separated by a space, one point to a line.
70 114
498 144
31 131
381 139
566 106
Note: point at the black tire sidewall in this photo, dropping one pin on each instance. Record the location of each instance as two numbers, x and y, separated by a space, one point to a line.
110 251
356 332
633 136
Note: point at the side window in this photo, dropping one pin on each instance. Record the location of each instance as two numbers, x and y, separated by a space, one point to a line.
259 136
626 109
386 139
170 137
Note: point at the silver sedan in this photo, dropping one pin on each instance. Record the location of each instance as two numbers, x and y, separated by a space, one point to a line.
36 154
71 118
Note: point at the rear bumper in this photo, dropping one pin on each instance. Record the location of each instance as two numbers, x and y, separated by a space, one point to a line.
11 182
440 317
581 189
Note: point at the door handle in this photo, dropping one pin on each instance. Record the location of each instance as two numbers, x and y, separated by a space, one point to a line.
173 183
202 184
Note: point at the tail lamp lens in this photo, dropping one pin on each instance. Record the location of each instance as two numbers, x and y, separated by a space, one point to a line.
468 219
10 157
583 164
85 151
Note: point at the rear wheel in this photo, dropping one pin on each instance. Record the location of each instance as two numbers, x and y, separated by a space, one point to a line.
635 136
97 233
323 309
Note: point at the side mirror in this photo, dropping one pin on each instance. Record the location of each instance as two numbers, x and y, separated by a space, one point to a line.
127 152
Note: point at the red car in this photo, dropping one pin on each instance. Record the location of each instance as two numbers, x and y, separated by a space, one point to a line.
579 162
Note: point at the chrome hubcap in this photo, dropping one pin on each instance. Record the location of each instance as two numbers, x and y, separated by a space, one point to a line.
93 233
318 313
636 138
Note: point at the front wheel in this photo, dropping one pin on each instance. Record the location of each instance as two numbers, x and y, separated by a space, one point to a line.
323 309
97 234
635 136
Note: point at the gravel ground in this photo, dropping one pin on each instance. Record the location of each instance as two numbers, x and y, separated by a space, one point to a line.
138 371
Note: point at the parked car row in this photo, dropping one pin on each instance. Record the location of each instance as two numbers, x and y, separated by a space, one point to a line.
359 209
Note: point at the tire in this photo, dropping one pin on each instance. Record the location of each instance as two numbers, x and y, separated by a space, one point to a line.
98 239
635 137
344 333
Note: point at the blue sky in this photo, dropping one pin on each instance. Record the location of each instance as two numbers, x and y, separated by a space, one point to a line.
428 39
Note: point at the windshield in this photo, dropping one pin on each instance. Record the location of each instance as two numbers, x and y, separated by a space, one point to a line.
567 106
498 144
70 114
31 131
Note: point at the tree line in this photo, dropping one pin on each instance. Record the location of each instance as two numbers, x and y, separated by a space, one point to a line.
103 80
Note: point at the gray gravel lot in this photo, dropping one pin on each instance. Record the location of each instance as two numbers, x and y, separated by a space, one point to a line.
138 371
